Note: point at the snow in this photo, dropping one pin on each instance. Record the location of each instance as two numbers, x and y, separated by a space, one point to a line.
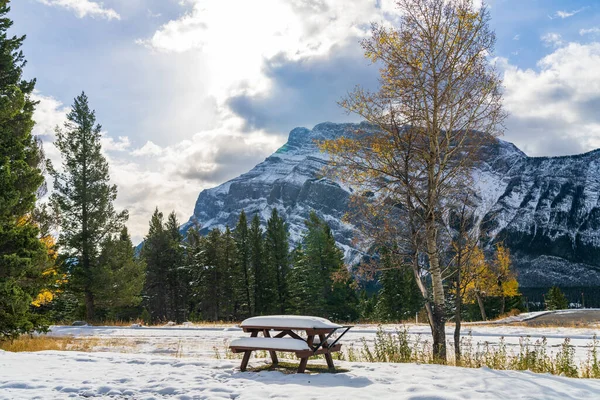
201 341
290 321
271 343
65 375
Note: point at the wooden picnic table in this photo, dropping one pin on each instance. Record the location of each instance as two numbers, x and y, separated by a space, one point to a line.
318 332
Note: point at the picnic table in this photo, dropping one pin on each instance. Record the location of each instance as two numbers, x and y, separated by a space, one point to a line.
318 331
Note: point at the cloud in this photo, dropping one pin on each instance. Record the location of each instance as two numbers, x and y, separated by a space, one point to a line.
566 14
552 40
170 177
84 8
590 31
237 44
553 110
305 92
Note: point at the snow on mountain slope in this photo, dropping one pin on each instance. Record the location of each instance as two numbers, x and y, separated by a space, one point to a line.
547 209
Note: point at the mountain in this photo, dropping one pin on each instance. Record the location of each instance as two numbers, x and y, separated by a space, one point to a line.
546 209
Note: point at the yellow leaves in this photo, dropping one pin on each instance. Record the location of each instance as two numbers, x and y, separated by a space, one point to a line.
42 298
489 278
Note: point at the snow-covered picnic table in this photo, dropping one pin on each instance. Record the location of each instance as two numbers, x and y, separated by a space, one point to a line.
288 325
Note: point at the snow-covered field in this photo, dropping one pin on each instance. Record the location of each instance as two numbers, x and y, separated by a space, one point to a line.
180 363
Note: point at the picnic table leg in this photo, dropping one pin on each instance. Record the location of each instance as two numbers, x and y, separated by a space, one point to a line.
272 352
328 356
247 353
304 360
245 360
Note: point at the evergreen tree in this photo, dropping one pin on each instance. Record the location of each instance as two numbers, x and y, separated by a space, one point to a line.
85 197
23 257
154 253
177 280
227 255
194 266
264 287
299 283
120 275
556 300
399 297
278 257
320 281
244 296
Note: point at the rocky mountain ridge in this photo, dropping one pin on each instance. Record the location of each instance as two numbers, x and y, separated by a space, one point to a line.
546 209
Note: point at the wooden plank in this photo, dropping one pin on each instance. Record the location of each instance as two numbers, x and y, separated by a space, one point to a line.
304 360
247 353
328 356
308 353
289 333
310 331
272 352
245 360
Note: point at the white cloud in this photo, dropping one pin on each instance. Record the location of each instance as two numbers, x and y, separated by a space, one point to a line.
552 40
149 149
170 177
84 8
553 110
236 44
590 31
517 37
566 14
109 143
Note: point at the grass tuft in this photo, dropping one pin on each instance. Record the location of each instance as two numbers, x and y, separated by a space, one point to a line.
291 368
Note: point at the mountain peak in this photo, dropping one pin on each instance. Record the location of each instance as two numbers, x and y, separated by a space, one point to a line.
542 208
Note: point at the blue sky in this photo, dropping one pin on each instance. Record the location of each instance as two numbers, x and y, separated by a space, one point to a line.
191 93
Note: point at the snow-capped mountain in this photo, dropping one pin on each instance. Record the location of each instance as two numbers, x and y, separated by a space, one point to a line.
546 209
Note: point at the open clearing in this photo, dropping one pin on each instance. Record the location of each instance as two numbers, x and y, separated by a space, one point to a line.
181 362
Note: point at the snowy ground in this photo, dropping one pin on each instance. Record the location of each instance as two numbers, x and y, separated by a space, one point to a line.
206 341
179 363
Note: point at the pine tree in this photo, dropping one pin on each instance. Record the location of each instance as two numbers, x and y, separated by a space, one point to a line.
399 297
227 254
120 276
176 279
278 257
244 275
322 283
23 257
263 278
85 197
556 300
154 253
298 281
194 268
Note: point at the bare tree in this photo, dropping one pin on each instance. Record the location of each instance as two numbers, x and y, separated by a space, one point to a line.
439 101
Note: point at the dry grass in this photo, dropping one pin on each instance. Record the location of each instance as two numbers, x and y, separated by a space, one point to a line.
292 368
65 343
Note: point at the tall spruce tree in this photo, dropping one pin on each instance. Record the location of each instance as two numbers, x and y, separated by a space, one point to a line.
176 279
84 196
154 253
262 279
299 284
227 255
244 284
23 257
320 281
120 277
399 297
278 257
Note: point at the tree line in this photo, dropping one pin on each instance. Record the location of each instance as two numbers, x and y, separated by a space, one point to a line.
231 275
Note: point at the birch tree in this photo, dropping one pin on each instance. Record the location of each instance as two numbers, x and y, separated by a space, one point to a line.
438 103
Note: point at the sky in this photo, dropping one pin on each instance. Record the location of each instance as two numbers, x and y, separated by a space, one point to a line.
191 93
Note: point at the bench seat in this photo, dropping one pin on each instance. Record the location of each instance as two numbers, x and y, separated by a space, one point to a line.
277 344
